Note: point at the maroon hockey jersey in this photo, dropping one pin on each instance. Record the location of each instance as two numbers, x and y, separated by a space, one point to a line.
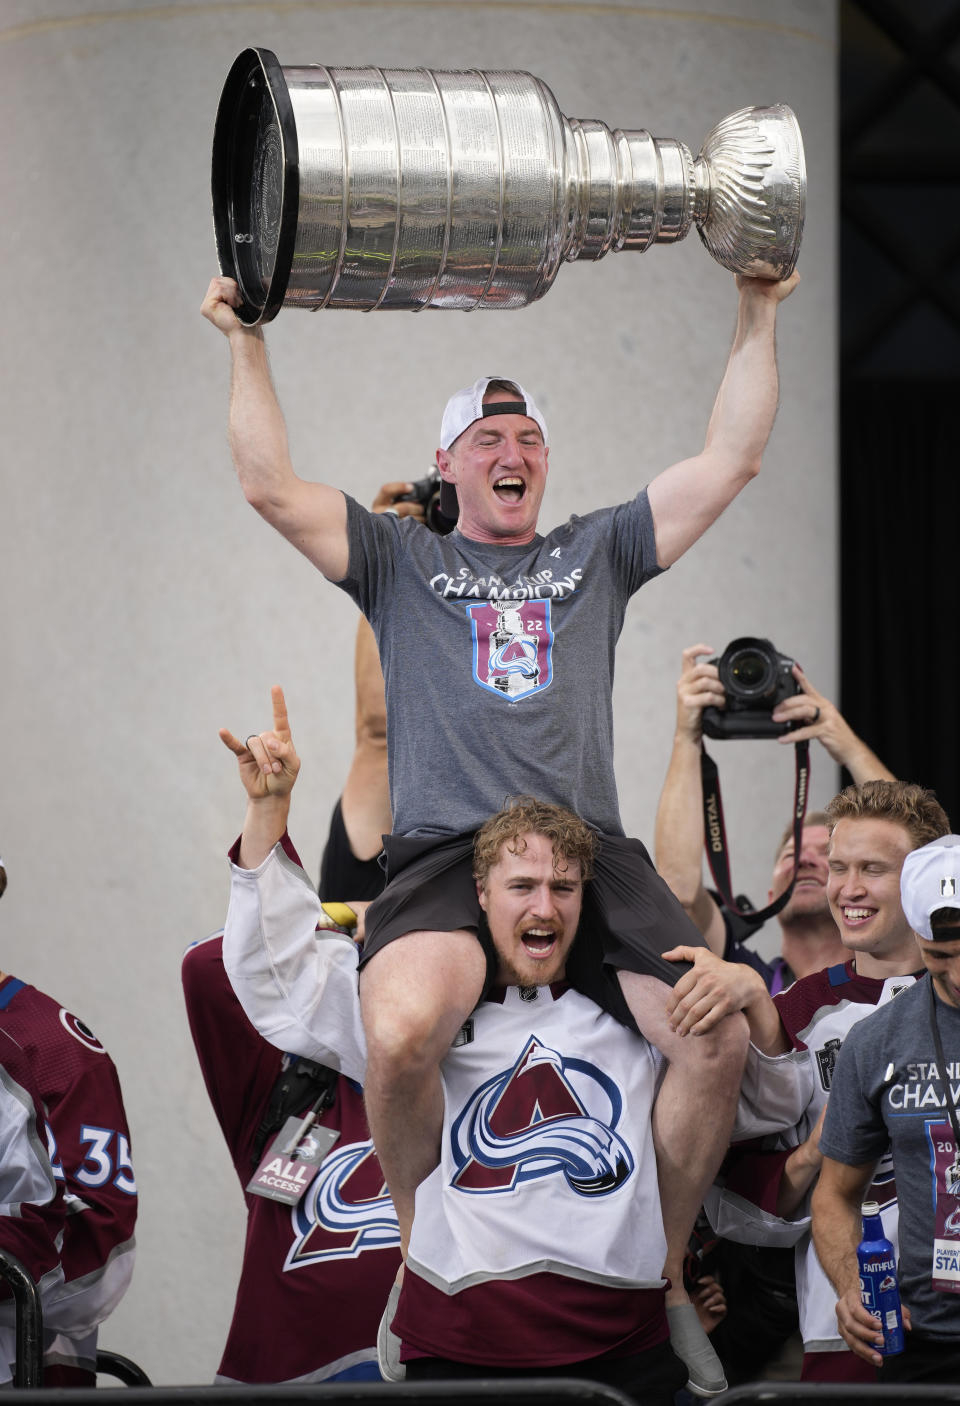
88 1154
315 1277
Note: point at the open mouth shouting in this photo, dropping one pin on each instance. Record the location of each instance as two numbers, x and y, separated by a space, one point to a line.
510 489
539 943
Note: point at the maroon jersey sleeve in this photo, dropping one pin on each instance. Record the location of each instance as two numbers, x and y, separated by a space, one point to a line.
90 1138
239 1067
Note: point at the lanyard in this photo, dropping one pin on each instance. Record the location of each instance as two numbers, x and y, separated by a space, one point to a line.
715 838
942 1069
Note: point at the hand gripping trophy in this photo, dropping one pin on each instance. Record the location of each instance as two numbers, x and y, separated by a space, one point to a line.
412 188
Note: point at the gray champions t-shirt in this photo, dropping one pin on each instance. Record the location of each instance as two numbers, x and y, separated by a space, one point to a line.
498 661
886 1086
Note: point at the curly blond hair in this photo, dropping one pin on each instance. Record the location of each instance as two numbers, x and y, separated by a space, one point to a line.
905 803
571 838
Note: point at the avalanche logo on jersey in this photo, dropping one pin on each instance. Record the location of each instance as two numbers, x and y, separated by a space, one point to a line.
512 647
547 1116
80 1032
345 1211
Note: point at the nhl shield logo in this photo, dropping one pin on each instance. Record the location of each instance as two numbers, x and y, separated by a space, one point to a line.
512 647
826 1059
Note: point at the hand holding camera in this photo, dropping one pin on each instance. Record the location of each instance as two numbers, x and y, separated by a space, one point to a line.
756 680
425 493
698 688
754 691
398 499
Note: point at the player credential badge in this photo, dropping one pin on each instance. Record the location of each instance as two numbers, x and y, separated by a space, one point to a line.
546 1116
512 647
826 1059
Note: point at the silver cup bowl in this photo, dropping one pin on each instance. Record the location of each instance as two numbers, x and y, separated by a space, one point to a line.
376 188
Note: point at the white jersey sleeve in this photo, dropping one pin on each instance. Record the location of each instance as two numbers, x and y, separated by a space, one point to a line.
733 1217
297 986
774 1093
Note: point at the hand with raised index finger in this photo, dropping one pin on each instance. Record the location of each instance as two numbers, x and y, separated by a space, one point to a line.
267 761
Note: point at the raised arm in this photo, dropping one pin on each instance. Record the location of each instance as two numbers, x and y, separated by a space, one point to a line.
299 991
678 832
686 498
268 766
365 800
313 516
820 718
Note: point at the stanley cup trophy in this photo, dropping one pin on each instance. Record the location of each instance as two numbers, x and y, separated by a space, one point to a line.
413 188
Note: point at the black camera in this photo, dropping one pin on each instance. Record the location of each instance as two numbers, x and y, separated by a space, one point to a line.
755 678
427 491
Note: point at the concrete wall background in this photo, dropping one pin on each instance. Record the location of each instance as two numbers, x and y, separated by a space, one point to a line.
144 604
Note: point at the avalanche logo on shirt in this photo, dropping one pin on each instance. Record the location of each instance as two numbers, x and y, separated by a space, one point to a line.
547 1116
512 647
345 1211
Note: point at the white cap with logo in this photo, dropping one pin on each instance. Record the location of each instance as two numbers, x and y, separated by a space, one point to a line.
466 406
930 879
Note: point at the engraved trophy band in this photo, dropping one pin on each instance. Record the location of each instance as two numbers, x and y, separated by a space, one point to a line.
412 188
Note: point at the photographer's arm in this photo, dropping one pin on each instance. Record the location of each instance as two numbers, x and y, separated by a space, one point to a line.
312 516
686 498
678 833
365 799
820 718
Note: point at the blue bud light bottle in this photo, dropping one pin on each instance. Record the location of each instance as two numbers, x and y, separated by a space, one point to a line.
879 1289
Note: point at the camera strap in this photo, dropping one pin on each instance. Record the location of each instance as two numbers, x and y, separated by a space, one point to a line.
715 835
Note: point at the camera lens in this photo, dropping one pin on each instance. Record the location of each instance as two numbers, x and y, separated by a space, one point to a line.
749 673
749 670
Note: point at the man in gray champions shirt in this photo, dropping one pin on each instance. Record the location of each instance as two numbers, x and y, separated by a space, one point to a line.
497 648
896 1085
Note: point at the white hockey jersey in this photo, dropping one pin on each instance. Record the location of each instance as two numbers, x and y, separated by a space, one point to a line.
547 1103
547 1163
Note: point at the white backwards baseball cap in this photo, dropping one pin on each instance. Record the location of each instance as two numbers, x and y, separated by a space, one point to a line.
466 406
930 879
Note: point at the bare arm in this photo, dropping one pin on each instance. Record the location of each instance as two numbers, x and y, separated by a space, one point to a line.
836 1233
365 800
823 720
686 498
313 516
678 833
800 1171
